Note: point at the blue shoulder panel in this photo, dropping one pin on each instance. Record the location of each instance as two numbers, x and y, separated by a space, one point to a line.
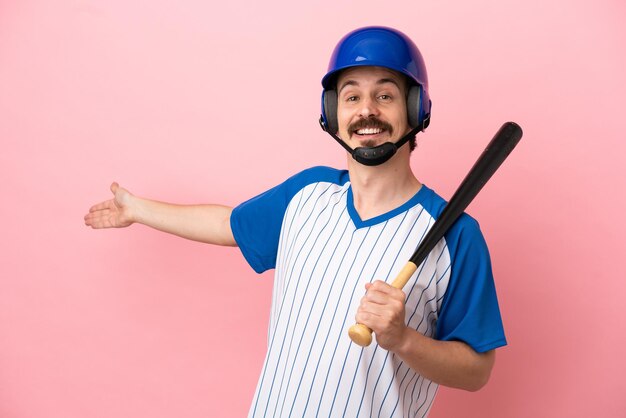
256 223
469 311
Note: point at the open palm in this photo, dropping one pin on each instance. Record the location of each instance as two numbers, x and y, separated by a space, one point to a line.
112 213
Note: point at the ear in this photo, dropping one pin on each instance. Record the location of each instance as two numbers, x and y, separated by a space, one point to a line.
413 105
329 110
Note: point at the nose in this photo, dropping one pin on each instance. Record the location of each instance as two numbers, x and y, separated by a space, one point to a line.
368 108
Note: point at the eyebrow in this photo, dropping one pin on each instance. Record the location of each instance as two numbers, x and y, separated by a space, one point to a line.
379 82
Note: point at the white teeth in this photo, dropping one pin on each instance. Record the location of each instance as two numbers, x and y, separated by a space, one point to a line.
369 131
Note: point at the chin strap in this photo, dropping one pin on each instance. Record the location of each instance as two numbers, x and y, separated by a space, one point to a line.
372 156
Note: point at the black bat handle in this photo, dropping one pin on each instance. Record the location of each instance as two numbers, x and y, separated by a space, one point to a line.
489 161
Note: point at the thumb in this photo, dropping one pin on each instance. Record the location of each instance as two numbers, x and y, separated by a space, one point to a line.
114 187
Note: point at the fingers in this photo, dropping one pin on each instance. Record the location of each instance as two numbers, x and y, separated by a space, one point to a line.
105 219
382 310
379 291
382 300
102 215
369 311
107 214
99 219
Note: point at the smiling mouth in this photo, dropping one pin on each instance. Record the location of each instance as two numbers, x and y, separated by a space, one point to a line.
369 131
372 126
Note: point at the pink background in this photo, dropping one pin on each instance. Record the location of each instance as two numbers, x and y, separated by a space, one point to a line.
188 101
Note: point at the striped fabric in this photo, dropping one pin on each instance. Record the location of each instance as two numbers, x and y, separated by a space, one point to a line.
324 256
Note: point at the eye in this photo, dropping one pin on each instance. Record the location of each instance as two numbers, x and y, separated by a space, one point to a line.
352 98
384 97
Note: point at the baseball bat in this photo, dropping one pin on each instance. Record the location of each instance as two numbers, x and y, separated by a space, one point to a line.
489 161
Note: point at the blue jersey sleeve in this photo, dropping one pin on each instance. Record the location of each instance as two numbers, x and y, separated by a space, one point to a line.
256 223
469 310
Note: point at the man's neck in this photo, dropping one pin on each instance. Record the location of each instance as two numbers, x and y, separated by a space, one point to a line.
380 189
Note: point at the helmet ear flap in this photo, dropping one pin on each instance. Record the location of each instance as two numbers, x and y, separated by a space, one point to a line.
329 110
413 106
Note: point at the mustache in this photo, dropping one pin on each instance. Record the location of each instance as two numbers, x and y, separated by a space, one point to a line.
371 122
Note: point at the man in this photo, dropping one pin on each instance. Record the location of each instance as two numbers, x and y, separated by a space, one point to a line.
338 237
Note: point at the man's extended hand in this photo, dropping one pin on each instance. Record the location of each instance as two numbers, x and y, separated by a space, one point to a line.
382 310
113 213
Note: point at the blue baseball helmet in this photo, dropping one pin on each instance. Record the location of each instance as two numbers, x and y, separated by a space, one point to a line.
382 47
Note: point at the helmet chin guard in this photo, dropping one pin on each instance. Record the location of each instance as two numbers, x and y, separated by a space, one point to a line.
373 156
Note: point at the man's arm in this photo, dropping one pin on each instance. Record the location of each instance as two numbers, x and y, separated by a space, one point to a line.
204 223
449 363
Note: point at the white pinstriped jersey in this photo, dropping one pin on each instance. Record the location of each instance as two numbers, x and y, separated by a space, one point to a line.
323 253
